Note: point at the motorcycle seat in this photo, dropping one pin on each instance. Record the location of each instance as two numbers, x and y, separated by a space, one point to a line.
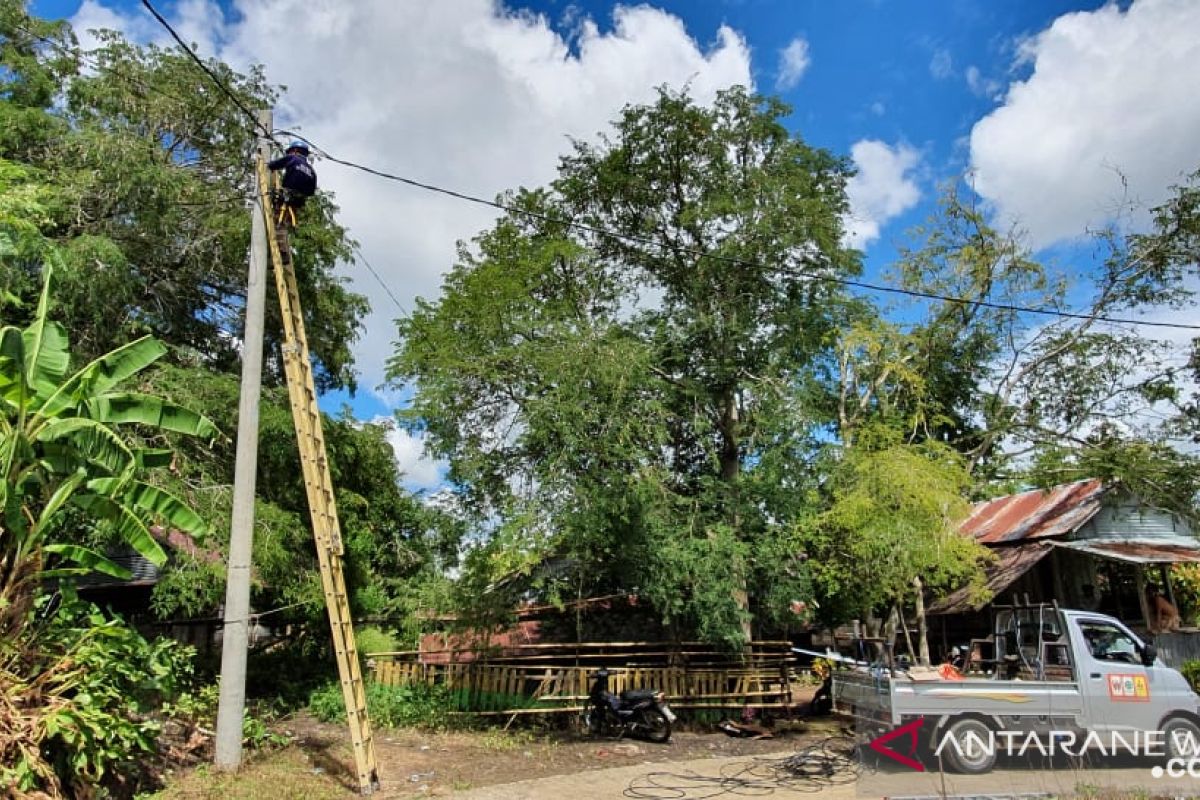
637 695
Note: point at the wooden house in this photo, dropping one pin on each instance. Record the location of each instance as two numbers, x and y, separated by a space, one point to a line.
1085 545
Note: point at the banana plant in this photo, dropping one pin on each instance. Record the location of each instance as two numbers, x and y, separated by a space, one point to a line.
66 455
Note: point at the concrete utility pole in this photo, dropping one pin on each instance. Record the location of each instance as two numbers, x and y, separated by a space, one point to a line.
235 636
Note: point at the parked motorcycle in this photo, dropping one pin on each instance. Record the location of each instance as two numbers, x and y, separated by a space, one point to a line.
637 712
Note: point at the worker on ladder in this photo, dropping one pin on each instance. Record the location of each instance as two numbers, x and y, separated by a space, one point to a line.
299 182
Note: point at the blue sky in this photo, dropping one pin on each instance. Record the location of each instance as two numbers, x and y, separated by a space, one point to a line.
1045 103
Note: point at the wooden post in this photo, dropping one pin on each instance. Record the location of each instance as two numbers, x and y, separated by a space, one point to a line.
1139 572
1056 574
1164 571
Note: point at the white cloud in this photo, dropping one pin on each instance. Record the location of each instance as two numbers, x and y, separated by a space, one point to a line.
419 472
467 95
941 66
974 79
883 189
793 62
1112 95
878 108
94 16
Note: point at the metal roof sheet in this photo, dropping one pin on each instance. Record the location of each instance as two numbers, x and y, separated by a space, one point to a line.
1138 551
1035 514
1011 563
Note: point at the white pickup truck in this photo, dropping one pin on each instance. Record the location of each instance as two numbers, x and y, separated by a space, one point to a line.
1052 675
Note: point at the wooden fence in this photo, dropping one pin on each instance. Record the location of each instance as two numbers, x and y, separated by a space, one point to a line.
528 684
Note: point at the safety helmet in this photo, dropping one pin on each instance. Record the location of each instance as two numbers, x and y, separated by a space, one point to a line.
298 145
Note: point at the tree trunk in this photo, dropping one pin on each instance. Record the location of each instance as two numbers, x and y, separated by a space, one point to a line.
922 626
730 456
912 651
731 468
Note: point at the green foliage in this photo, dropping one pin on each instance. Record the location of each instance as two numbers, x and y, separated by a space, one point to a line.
77 697
67 463
602 443
410 705
895 507
1191 670
285 676
1149 468
195 706
1185 582
371 639
138 173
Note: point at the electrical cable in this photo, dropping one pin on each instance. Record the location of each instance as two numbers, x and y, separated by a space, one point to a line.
848 282
832 761
628 237
220 84
387 289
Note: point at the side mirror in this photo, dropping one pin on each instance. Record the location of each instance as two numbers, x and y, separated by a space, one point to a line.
1149 654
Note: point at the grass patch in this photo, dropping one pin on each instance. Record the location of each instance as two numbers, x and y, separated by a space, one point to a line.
269 776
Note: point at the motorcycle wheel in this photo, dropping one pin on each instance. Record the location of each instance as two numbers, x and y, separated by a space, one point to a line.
656 724
593 722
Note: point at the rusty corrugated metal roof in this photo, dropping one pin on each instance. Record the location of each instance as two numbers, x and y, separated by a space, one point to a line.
1011 563
1035 514
1139 551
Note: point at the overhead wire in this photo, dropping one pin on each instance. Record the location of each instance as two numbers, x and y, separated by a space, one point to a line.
216 79
628 237
634 238
387 289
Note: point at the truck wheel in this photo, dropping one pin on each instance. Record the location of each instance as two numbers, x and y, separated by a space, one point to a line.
1182 738
968 746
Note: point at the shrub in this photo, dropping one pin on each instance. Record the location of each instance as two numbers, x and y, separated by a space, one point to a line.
76 696
1191 671
411 705
374 640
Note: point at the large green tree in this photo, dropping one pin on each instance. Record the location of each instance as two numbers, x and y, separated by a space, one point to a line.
143 171
618 401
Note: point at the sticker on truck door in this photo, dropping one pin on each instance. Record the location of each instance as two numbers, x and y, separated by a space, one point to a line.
1128 688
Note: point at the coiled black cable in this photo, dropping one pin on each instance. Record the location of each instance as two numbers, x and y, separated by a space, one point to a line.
831 761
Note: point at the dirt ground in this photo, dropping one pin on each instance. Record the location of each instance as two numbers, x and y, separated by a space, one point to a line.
525 764
415 764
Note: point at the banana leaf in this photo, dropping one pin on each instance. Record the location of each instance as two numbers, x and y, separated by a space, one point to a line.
103 373
128 527
96 442
159 504
130 408
87 559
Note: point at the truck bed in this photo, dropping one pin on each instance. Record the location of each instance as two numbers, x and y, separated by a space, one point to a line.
889 700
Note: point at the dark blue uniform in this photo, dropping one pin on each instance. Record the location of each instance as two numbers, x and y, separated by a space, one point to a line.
299 178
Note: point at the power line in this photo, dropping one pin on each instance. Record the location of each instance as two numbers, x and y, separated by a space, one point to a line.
628 237
382 283
220 84
848 282
97 64
254 118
